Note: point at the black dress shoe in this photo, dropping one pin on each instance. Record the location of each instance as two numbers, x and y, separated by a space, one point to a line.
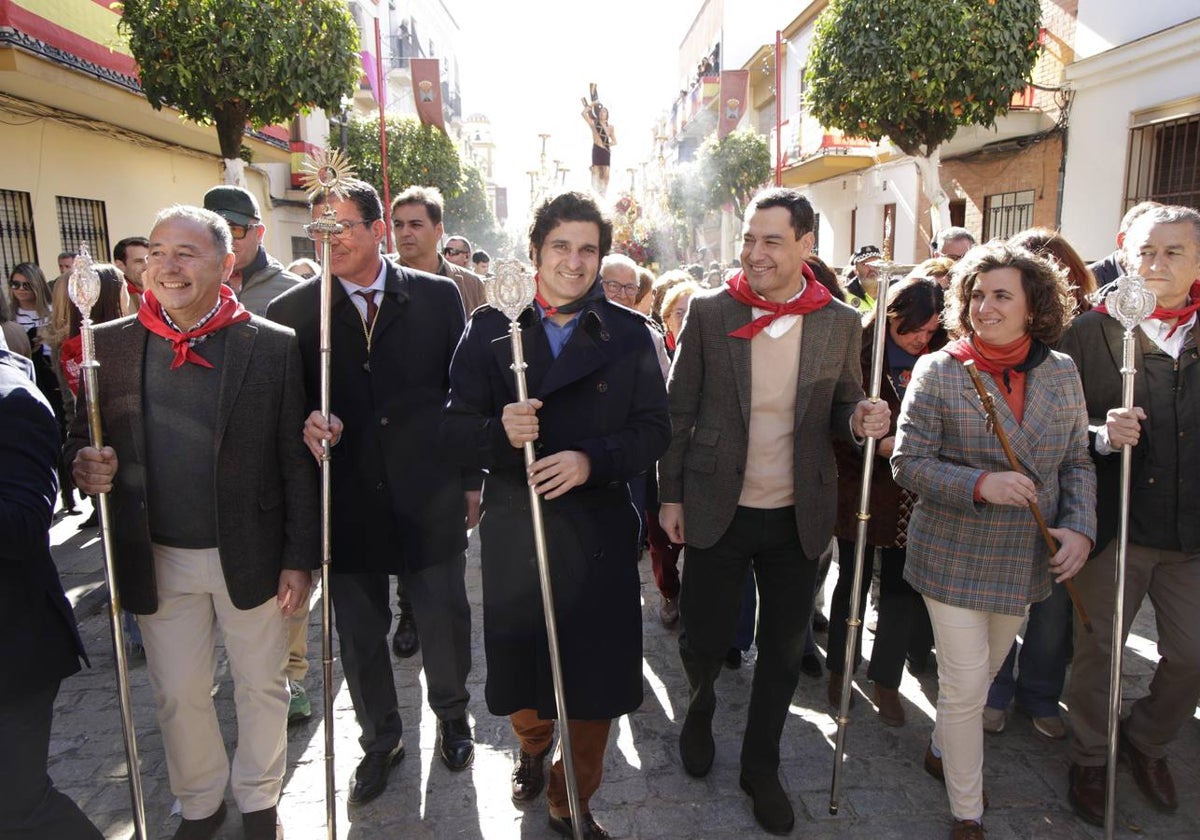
1086 792
592 830
92 521
201 829
457 743
529 776
733 658
772 809
696 746
406 642
262 825
810 666
1152 775
371 775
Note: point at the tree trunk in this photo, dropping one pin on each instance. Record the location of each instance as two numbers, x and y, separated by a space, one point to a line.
235 172
231 128
931 183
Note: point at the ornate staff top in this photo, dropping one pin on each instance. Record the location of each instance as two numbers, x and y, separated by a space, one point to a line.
511 290
1130 302
326 172
83 284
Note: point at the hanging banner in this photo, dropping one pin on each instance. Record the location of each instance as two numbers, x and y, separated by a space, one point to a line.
427 90
731 104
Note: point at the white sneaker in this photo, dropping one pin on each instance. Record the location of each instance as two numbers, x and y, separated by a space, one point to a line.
994 720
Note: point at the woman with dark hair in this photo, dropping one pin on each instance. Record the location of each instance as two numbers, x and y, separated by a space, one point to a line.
914 328
974 551
14 336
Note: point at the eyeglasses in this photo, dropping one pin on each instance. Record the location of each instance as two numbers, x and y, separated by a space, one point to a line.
348 226
614 287
239 231
19 286
454 252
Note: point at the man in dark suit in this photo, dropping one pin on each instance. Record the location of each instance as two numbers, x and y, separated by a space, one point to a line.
39 644
766 375
214 512
397 506
598 417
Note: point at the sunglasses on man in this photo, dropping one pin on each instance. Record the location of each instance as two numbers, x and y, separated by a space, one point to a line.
454 252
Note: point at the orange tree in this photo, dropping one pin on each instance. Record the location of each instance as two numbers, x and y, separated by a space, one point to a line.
914 71
231 62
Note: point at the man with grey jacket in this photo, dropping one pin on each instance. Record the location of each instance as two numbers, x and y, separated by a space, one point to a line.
257 278
766 375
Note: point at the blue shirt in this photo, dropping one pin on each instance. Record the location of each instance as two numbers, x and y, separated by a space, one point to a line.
558 334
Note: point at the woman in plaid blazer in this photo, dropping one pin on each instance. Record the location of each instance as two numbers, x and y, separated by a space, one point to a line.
974 551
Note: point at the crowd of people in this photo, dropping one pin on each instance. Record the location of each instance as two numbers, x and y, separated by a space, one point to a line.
716 417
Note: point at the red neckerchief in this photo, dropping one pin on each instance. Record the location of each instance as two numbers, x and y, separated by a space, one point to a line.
229 311
670 342
134 290
811 299
69 359
1181 315
1001 361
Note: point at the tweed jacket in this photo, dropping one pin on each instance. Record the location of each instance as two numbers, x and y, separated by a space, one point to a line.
398 503
268 513
470 285
981 556
709 396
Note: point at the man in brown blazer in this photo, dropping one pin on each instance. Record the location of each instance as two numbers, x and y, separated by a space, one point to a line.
766 375
214 502
417 226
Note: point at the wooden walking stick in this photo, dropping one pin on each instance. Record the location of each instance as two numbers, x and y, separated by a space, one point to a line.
853 622
511 291
327 173
1130 303
83 286
989 407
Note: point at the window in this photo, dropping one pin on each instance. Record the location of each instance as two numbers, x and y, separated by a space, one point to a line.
302 246
83 220
17 244
1005 214
1164 162
958 212
889 229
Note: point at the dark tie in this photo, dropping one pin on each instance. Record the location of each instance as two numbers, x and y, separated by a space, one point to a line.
369 296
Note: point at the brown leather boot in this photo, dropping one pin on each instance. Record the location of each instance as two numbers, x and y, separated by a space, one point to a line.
834 691
887 701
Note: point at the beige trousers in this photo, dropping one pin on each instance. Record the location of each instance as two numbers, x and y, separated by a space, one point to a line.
180 640
297 642
971 647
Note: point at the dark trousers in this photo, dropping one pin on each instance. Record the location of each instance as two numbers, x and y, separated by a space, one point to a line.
31 808
1045 651
363 614
898 602
709 602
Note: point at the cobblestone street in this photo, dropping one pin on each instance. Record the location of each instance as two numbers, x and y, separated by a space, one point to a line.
645 793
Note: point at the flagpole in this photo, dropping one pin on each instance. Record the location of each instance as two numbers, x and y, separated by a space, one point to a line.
387 191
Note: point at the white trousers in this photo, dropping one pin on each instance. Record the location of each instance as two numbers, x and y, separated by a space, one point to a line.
971 647
180 640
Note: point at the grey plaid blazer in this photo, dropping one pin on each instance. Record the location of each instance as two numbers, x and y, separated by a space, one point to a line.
980 556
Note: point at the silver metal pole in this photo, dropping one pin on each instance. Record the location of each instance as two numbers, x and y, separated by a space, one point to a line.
326 174
1131 303
511 291
84 289
853 621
